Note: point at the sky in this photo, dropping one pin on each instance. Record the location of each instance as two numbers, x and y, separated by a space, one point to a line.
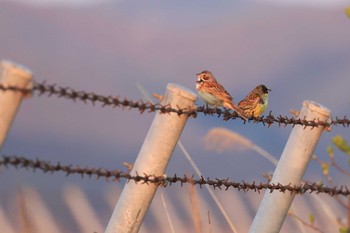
77 3
299 52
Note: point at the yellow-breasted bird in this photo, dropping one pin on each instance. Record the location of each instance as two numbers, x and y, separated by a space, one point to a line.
255 103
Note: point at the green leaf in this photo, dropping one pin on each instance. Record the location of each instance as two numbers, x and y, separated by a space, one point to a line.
341 143
347 11
325 168
330 151
311 219
319 183
344 230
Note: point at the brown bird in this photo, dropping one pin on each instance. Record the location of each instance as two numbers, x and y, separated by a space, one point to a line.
214 94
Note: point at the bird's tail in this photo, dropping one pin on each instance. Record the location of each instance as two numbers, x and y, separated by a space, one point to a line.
238 110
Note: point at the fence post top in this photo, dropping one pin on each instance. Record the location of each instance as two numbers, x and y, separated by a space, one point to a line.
16 69
181 90
316 107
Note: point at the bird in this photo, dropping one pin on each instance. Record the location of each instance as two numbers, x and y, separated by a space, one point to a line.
255 103
214 94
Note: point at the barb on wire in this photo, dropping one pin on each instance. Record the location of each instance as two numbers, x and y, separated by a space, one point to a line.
225 184
113 101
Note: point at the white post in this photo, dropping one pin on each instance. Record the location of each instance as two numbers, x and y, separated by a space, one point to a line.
290 170
15 75
153 158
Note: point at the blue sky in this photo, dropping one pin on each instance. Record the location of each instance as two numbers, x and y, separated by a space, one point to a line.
313 3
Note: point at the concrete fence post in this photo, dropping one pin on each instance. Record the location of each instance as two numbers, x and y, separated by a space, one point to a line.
152 159
290 170
15 75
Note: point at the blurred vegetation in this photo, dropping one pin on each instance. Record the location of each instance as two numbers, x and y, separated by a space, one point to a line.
339 144
347 11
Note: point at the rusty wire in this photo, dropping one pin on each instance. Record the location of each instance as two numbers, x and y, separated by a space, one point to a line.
114 101
116 175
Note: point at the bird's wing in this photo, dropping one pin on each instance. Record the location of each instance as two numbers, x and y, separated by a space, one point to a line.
250 100
218 90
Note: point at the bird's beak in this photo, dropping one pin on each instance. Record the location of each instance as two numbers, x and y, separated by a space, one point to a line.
198 79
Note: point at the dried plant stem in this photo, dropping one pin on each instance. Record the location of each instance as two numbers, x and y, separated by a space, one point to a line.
211 193
171 225
313 227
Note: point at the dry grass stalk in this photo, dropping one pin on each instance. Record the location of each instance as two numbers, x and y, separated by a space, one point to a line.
195 208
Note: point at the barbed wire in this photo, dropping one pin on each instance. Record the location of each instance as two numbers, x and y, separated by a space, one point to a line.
125 103
116 175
